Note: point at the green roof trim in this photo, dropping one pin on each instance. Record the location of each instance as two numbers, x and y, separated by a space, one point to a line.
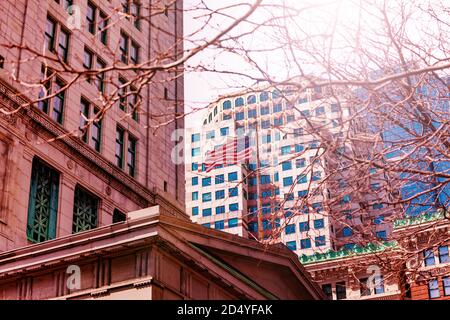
423 218
345 253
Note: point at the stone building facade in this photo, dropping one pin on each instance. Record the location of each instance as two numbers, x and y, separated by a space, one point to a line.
53 183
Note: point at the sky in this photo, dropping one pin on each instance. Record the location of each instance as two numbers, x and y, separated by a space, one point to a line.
202 88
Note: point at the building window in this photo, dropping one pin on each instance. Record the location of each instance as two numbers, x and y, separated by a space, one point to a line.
289 229
194 166
240 116
100 76
433 289
277 108
446 285
206 212
194 195
285 150
234 207
232 223
239 102
364 288
210 135
136 14
206 197
304 226
50 34
264 110
123 47
207 225
2 61
382 235
206 182
91 133
226 105
328 290
224 131
379 285
103 28
233 192
443 254
300 163
305 243
58 101
287 165
63 44
91 12
292 245
194 211
120 142
220 209
194 181
219 225
131 157
220 194
319 224
84 211
347 232
341 291
119 216
320 241
428 256
301 178
320 111
43 202
232 176
195 137
287 181
88 58
195 152
50 85
220 179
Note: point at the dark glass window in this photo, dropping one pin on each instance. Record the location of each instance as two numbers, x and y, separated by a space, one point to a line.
119 216
134 54
84 210
341 292
328 290
96 134
58 101
136 13
123 46
131 159
50 32
100 76
90 17
63 44
433 289
43 202
103 28
84 115
443 254
119 146
428 256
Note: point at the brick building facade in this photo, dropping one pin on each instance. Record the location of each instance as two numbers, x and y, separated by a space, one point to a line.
122 163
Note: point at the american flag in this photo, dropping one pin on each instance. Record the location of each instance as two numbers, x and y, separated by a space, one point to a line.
232 152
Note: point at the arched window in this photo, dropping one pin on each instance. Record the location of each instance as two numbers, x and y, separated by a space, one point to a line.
226 105
264 96
239 102
251 99
275 94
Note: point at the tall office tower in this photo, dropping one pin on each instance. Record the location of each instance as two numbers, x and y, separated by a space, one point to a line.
55 179
302 193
